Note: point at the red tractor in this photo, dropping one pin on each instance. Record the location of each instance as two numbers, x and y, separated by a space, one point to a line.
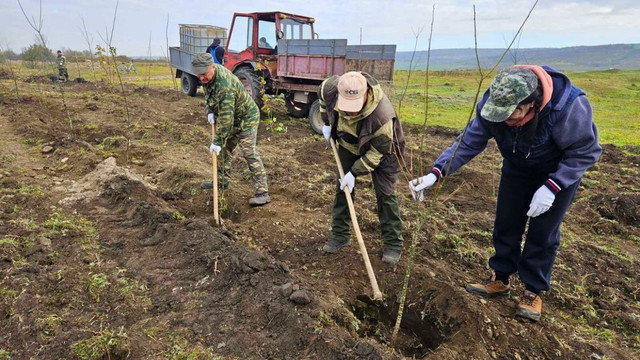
279 53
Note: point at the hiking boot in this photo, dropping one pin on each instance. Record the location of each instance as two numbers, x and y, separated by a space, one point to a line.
530 307
333 246
490 288
260 199
391 256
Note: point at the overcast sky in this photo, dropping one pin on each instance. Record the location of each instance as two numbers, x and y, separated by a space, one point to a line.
554 23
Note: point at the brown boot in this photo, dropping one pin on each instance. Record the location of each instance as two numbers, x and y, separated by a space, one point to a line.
530 307
490 288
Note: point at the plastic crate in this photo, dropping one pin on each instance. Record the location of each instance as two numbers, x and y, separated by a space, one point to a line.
196 38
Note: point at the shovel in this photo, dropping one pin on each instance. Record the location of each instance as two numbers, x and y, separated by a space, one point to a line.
377 295
216 217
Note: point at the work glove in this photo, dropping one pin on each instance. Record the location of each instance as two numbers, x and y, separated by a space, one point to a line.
349 181
211 119
326 132
215 148
418 185
541 202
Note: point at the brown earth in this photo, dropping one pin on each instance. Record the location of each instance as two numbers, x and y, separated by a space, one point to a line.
108 249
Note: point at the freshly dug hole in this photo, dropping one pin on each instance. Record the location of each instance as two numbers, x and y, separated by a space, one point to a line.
426 323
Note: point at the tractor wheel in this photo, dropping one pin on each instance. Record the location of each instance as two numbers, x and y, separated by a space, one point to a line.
189 84
315 119
296 109
251 81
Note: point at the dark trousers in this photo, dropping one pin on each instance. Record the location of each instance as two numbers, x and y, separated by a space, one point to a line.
387 206
535 261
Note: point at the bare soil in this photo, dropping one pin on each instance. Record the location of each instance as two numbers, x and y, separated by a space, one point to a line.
108 249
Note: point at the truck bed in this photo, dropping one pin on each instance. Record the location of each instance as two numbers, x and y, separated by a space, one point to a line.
181 59
319 59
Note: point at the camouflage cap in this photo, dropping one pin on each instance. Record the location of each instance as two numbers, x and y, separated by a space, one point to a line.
507 90
201 63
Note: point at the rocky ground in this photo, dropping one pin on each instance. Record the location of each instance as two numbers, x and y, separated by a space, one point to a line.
108 248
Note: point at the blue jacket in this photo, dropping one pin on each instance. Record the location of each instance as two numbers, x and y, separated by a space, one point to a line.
217 55
565 146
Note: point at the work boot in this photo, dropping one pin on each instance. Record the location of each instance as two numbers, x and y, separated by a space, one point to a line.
333 246
260 199
391 256
490 288
530 307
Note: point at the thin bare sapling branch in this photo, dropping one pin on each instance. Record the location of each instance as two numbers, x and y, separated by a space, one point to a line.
37 27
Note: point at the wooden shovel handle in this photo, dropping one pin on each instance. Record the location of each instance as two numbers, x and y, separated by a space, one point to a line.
377 295
216 217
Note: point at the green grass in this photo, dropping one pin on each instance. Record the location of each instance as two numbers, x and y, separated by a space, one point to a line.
614 95
102 345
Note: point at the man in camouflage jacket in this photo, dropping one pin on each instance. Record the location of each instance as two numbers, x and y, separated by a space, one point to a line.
63 75
236 116
360 117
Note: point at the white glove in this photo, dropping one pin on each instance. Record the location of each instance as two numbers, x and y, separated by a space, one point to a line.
211 119
215 148
418 185
349 181
326 131
541 202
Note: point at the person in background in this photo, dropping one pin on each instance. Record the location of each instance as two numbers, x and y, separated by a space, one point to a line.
264 44
216 50
544 129
236 117
63 75
361 119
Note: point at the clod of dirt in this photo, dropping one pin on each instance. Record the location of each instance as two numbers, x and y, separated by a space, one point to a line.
365 350
301 297
92 107
287 289
623 208
253 262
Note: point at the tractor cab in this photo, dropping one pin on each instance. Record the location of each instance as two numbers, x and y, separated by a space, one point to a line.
254 36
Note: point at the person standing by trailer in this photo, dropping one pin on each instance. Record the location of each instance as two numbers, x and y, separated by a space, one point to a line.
544 129
216 50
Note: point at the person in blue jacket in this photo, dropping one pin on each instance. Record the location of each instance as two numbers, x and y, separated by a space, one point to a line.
543 126
216 50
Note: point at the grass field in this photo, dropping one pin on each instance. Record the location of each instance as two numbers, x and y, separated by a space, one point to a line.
614 94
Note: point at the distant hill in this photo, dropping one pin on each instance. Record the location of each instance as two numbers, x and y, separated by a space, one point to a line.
578 58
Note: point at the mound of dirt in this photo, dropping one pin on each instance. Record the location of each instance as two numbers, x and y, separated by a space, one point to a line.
623 208
111 182
4 74
41 79
249 305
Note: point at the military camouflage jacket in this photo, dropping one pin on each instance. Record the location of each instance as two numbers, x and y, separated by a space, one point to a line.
62 62
229 101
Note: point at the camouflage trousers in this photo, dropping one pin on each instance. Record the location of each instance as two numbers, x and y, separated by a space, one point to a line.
245 137
63 74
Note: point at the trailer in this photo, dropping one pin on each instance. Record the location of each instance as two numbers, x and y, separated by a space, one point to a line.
295 65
